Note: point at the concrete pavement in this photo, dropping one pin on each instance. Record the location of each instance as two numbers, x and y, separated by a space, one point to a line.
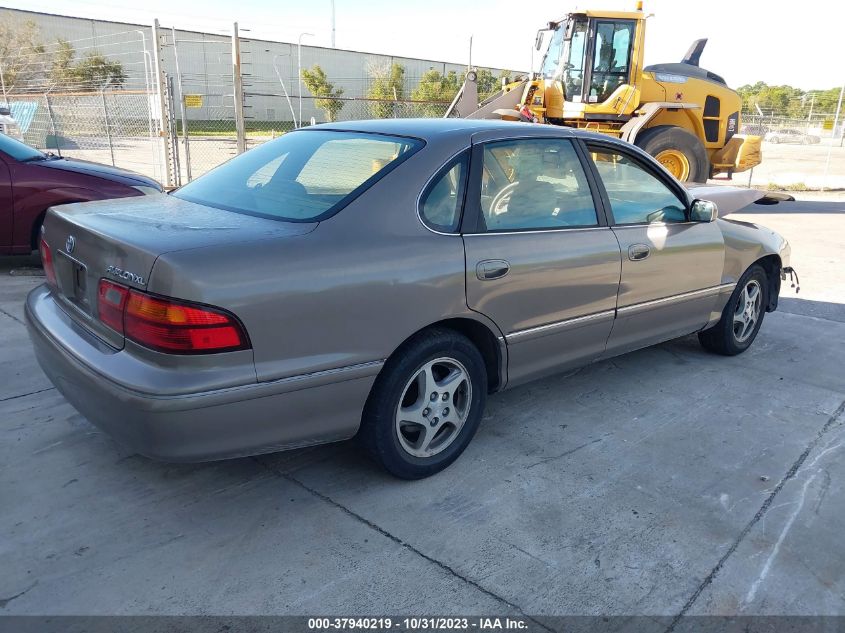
663 482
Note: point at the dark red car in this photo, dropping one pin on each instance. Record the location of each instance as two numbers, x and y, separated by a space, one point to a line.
31 181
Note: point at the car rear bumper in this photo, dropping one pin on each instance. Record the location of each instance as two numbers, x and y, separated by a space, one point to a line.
217 424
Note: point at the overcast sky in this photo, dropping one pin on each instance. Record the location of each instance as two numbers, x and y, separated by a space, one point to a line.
798 43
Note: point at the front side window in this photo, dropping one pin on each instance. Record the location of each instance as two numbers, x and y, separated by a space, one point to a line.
534 184
574 52
636 195
611 58
552 57
303 176
440 207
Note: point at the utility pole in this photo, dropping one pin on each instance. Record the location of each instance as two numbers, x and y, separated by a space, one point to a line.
469 67
161 89
333 24
240 129
833 135
838 106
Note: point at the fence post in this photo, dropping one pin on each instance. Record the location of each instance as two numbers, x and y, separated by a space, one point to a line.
52 123
833 137
173 134
182 109
239 90
161 89
108 127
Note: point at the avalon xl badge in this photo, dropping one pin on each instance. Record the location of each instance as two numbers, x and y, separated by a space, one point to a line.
114 271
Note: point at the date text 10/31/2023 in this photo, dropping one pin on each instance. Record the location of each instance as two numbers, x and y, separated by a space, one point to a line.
420 623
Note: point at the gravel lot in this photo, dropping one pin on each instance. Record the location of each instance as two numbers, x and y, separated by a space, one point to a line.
663 482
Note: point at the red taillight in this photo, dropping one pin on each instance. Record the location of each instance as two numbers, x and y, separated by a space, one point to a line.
47 262
168 325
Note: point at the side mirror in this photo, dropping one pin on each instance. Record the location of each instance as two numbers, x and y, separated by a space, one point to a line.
538 41
703 211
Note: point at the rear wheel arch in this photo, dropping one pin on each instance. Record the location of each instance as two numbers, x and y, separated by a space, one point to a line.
36 230
480 335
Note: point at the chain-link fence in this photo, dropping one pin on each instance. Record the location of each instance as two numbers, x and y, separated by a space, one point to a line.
111 127
170 104
163 102
92 98
798 153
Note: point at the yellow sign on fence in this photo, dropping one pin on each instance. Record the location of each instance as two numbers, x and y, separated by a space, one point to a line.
827 125
193 101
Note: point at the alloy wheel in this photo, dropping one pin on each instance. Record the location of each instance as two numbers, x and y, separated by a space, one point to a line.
434 406
747 312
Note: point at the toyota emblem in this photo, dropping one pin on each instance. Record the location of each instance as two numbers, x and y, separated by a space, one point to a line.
70 242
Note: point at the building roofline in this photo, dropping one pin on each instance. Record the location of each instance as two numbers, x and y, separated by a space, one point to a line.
253 39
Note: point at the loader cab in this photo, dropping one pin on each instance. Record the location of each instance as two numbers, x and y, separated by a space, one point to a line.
592 54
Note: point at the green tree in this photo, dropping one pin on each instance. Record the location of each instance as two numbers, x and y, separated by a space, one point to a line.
326 94
435 88
824 101
487 84
21 55
388 85
93 72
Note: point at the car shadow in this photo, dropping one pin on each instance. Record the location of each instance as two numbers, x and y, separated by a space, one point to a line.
796 207
819 309
13 264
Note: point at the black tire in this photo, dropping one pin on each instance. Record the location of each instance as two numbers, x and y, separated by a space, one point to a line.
662 137
379 433
722 337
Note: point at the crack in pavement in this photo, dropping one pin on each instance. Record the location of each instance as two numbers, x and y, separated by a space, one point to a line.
569 452
24 395
756 518
405 545
5 601
12 316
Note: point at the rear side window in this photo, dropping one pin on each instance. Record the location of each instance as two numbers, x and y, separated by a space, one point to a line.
440 208
531 184
304 176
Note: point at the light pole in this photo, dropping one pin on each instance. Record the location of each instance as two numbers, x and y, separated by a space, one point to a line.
299 70
287 96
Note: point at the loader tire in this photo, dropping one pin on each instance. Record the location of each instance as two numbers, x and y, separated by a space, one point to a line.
681 153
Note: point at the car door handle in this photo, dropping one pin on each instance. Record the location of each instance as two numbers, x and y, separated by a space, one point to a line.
492 269
637 252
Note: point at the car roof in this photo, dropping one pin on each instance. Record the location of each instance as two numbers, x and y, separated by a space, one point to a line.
429 129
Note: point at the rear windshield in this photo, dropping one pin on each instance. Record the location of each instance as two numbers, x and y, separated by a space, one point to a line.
303 176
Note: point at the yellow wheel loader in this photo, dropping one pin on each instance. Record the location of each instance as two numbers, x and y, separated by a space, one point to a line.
592 77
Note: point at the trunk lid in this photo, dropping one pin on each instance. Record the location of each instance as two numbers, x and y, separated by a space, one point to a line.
120 240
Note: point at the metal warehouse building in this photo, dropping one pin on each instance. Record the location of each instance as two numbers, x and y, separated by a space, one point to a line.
203 62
